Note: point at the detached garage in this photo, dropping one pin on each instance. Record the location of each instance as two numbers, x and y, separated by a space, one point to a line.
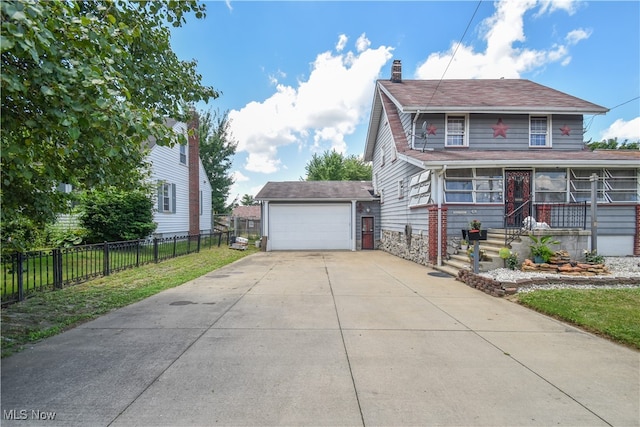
319 215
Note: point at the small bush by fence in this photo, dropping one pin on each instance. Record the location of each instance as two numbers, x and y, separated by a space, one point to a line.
25 273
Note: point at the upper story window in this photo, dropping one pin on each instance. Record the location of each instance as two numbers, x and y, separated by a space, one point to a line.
539 135
183 154
456 132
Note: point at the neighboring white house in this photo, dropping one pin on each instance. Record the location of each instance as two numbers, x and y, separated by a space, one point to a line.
170 171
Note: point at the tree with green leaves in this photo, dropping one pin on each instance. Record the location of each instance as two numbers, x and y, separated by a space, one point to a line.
613 144
217 148
84 84
333 166
248 200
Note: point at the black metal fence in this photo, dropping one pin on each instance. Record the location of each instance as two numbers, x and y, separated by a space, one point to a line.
24 273
555 215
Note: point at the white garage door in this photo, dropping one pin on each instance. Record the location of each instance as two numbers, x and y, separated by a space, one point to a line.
310 226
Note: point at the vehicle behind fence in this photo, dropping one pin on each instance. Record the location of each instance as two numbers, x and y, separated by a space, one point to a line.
24 273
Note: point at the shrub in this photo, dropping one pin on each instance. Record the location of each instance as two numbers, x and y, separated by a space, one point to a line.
114 215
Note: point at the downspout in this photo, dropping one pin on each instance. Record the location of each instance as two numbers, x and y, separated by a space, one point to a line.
413 131
440 196
265 225
353 225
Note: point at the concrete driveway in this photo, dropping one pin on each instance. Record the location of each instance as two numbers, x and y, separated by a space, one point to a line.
323 338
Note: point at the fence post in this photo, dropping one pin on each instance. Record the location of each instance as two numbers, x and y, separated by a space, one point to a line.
174 245
198 250
18 270
57 268
105 259
138 253
219 238
155 250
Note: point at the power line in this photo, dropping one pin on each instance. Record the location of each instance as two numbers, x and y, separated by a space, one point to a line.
455 51
612 108
626 102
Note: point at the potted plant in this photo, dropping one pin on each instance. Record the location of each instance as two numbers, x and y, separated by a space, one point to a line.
464 245
540 250
475 232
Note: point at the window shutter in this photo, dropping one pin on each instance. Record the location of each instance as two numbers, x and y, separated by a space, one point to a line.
173 198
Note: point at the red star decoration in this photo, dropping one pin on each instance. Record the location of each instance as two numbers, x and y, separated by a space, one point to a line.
431 130
565 130
500 129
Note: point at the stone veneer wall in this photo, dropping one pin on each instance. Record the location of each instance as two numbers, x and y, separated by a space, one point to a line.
500 289
414 247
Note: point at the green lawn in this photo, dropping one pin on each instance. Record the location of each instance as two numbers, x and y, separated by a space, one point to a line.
51 312
82 263
613 313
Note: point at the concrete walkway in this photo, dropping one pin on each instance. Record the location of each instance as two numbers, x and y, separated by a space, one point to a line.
323 338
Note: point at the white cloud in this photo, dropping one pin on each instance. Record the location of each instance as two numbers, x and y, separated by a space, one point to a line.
239 177
623 130
326 107
503 33
362 43
342 42
575 36
551 6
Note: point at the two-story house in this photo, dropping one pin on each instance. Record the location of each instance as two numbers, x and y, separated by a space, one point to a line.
448 151
183 202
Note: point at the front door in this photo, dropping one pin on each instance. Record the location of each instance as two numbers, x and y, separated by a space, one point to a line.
367 232
517 203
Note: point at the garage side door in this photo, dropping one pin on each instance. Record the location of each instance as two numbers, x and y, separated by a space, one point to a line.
310 226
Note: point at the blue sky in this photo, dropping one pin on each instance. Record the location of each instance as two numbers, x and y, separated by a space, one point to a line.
297 77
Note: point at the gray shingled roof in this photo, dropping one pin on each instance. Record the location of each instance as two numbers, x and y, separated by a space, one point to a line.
316 191
485 96
390 96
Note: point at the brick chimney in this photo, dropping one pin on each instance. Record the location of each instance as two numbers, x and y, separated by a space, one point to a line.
194 175
396 71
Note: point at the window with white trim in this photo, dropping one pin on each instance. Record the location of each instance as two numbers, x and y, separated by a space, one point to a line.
166 197
614 185
455 132
482 185
183 154
550 185
489 185
420 189
539 131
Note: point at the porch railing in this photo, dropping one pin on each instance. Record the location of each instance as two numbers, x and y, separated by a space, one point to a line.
556 215
23 273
